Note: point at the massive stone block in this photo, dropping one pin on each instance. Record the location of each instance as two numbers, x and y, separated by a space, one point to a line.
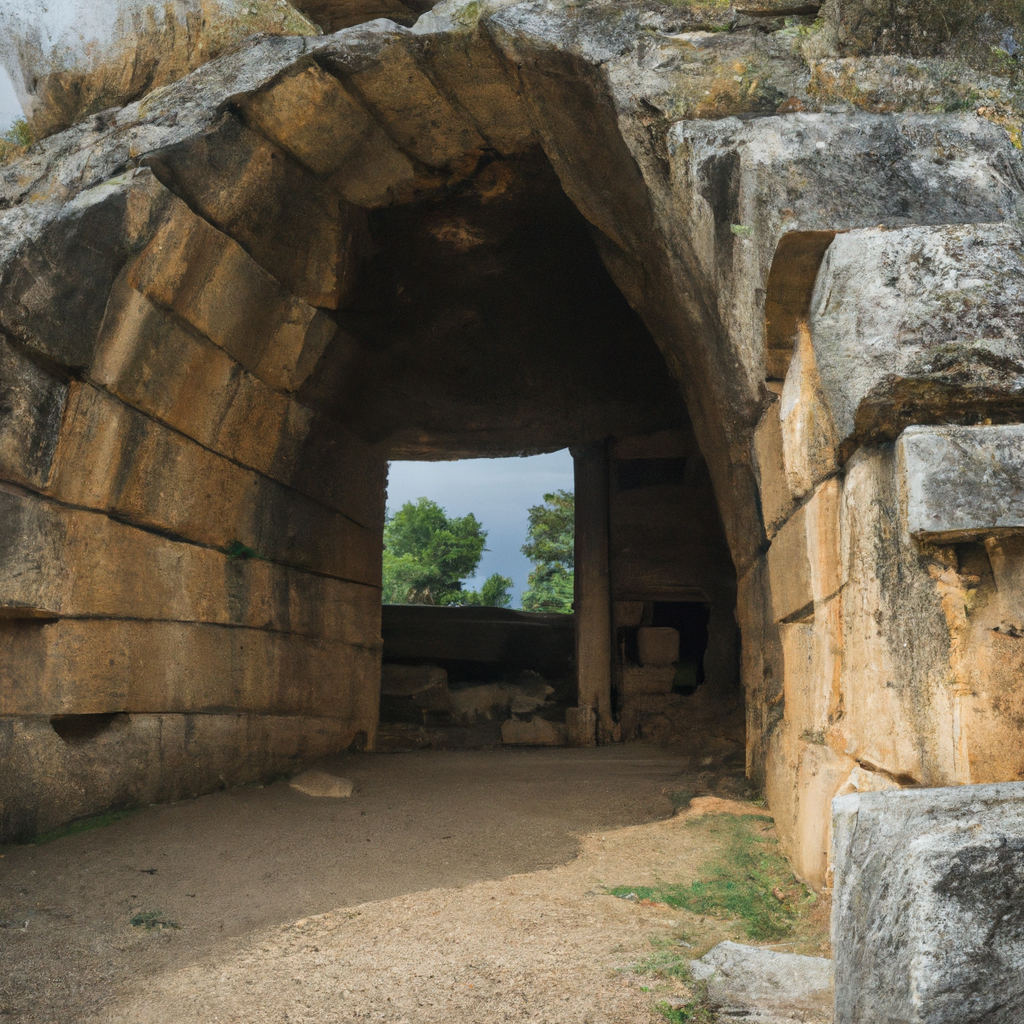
129 760
334 132
961 483
292 224
804 559
113 458
100 666
207 279
918 325
55 283
928 905
57 561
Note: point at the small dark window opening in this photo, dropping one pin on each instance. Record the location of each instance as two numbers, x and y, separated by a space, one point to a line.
82 728
690 619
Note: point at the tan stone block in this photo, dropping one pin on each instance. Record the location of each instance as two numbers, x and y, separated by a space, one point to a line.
293 225
211 282
658 645
467 65
809 442
60 561
804 561
801 780
142 759
318 783
415 114
776 501
311 115
647 679
31 405
112 457
535 732
898 704
153 362
96 666
812 670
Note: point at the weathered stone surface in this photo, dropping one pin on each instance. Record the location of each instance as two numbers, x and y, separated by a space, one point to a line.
208 280
777 502
293 225
533 732
54 284
31 406
921 324
117 50
142 759
581 727
960 483
897 642
334 131
804 559
927 922
808 435
383 65
748 983
658 645
152 361
636 679
99 666
58 561
315 782
112 458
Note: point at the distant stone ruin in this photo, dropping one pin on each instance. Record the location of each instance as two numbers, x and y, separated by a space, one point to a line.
760 267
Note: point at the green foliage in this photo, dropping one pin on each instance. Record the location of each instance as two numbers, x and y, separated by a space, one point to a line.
15 140
550 544
670 963
85 825
427 555
495 593
750 882
151 919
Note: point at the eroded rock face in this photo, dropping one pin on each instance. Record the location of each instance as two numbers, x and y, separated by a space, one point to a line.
505 229
927 923
67 63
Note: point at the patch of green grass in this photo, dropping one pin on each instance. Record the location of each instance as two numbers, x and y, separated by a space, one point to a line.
749 881
669 963
85 825
152 919
15 140
694 1012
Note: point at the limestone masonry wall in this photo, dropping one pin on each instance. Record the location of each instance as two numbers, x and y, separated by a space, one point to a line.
212 338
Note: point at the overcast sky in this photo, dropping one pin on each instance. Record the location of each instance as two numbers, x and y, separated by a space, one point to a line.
497 491
10 108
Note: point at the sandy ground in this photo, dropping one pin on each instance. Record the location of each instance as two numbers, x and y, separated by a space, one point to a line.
452 886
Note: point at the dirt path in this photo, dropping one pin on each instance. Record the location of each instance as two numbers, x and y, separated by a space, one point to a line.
445 889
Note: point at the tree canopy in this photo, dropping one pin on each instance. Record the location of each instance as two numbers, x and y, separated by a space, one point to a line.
550 546
428 554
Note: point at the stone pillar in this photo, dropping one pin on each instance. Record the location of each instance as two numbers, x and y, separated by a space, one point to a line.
592 598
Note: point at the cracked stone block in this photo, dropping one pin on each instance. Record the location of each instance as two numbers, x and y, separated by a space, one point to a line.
750 984
960 483
928 905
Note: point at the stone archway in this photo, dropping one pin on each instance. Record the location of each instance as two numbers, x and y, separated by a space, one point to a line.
170 276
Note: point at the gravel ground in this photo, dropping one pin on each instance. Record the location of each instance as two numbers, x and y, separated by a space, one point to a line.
453 886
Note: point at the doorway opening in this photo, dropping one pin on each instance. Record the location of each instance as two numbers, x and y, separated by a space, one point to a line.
489 657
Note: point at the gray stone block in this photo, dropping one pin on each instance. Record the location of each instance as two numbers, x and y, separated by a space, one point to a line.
962 482
751 984
928 905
